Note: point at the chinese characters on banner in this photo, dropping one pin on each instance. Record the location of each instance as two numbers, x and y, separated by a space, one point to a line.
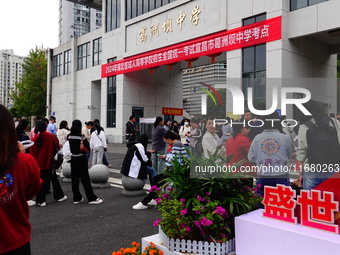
316 211
172 111
257 33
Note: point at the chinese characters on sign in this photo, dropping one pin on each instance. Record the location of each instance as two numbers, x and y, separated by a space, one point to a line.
172 111
257 33
180 20
154 30
316 211
194 15
142 34
167 24
279 203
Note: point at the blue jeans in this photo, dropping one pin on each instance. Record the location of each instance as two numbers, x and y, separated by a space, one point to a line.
157 163
311 180
264 181
311 183
152 173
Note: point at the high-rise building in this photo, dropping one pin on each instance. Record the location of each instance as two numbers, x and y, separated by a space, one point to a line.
10 73
76 20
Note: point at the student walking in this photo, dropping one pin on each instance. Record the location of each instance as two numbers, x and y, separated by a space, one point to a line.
79 147
46 145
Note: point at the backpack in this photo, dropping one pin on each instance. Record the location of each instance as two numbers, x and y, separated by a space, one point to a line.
323 143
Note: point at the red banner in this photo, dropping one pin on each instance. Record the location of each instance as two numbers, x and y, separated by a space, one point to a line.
172 111
257 33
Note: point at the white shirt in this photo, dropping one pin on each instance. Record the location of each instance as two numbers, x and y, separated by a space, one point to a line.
98 140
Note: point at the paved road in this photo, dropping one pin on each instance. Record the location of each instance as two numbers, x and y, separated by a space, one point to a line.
63 228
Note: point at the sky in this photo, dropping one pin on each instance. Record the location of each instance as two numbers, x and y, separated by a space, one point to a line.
26 24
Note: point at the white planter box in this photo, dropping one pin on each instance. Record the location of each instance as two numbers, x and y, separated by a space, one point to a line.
156 240
256 234
197 247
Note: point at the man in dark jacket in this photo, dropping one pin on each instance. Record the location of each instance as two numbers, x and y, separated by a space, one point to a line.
130 129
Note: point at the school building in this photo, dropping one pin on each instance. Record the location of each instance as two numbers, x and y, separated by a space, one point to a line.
156 57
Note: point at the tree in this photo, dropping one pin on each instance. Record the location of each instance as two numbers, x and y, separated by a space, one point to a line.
30 93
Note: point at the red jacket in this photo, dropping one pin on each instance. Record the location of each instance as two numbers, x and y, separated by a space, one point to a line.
44 154
16 187
239 148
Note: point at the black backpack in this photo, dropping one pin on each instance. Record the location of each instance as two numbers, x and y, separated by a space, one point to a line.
323 143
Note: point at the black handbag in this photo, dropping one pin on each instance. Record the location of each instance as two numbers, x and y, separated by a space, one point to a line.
58 160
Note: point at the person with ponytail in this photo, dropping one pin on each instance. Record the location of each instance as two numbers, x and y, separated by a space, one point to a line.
79 166
19 182
179 151
46 145
21 130
98 144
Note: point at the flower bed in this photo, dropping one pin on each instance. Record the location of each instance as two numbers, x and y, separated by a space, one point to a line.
200 247
203 209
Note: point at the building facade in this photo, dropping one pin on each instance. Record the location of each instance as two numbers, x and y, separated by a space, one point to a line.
76 20
138 62
10 73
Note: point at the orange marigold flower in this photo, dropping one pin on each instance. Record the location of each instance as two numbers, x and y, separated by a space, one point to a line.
153 246
161 252
134 243
114 253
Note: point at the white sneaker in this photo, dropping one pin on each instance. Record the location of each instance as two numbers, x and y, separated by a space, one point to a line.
31 202
62 199
42 204
139 206
152 202
78 202
96 202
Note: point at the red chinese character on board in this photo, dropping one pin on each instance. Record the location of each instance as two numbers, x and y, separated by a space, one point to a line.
317 212
279 203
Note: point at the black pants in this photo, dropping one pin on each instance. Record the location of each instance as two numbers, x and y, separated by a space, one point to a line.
158 180
46 175
23 250
79 170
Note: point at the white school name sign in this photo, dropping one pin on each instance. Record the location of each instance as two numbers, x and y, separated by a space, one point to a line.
238 100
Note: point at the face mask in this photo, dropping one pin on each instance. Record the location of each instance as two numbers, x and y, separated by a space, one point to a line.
186 123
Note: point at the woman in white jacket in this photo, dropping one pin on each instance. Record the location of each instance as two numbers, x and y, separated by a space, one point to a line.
98 144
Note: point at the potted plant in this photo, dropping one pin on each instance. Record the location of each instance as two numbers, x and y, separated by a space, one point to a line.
194 207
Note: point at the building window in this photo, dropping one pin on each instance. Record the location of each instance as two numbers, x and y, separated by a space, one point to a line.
57 65
97 51
83 56
112 15
135 8
111 98
254 68
67 62
298 4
